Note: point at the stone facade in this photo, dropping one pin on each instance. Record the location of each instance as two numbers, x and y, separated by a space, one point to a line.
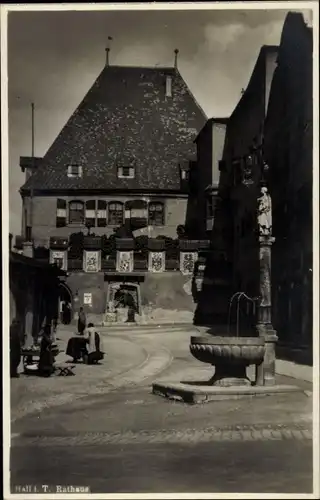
107 175
44 210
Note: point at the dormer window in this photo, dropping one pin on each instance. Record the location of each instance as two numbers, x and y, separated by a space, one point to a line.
74 171
126 172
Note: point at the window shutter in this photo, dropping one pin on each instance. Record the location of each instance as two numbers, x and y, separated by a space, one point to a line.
61 216
102 213
90 214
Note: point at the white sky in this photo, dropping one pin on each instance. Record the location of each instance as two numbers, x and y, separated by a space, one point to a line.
54 58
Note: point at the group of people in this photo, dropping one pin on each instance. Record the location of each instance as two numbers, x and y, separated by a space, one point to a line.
46 356
86 345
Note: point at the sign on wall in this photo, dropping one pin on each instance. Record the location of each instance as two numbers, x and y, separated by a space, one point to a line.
87 299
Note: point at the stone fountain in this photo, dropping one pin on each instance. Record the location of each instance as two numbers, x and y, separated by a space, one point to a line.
231 355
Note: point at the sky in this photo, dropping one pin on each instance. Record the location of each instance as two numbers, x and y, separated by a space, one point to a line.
55 57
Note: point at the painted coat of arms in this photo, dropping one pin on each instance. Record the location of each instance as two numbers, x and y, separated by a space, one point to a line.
156 262
187 262
125 262
92 261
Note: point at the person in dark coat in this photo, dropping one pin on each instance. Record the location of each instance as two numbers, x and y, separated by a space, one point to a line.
94 350
82 321
46 362
15 348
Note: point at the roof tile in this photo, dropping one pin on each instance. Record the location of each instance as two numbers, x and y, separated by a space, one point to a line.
125 119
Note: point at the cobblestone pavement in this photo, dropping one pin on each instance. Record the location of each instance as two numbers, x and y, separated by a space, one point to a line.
110 419
127 363
227 433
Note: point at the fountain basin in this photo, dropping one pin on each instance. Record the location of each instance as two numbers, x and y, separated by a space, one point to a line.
230 356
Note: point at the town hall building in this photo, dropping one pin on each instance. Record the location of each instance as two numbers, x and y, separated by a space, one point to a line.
108 201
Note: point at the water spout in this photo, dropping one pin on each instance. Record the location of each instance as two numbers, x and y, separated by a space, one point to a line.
239 295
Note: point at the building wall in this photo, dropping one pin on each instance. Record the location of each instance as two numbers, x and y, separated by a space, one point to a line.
218 139
201 180
33 296
246 123
276 107
165 297
210 146
45 208
245 128
288 145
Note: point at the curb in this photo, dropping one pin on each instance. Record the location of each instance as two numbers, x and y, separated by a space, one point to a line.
294 370
192 394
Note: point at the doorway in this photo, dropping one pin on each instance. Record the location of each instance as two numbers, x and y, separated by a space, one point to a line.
124 298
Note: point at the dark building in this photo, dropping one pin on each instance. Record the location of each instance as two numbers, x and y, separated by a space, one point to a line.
289 152
245 130
221 145
204 222
34 294
205 175
119 168
269 141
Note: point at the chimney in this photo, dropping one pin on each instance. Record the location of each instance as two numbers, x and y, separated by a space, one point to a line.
27 249
107 56
176 52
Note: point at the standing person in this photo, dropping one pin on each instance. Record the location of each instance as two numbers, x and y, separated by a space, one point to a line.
67 313
94 346
82 321
63 312
46 361
15 348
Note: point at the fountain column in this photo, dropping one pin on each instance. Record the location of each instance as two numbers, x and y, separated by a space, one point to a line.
266 372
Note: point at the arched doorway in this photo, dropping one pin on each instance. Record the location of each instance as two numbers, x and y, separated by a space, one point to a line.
65 304
125 299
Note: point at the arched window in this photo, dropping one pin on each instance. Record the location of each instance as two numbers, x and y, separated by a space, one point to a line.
76 212
156 214
115 214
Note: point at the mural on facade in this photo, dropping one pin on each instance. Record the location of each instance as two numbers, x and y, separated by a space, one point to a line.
125 262
92 262
187 262
156 262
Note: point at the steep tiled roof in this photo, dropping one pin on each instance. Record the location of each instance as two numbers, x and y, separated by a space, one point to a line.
125 119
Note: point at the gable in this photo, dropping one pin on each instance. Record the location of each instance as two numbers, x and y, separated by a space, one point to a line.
125 119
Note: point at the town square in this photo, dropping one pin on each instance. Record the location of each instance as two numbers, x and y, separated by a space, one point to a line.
161 264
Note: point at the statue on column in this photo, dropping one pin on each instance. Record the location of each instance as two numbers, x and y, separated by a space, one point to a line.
265 213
